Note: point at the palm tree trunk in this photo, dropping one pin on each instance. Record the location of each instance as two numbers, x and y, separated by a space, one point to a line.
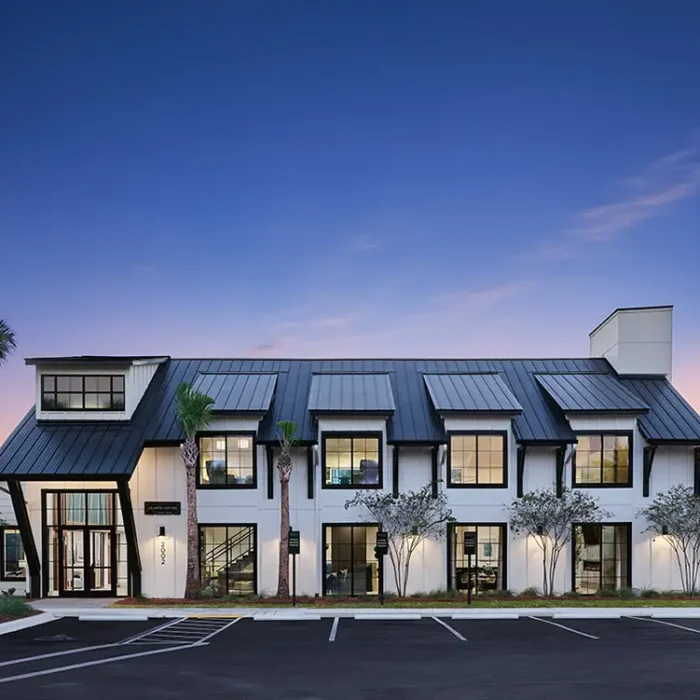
283 579
192 582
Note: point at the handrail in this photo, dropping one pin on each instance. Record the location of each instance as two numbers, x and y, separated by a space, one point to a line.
225 546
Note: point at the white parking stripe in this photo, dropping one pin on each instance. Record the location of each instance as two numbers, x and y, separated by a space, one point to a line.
451 629
564 627
663 622
153 630
98 662
334 630
221 629
25 659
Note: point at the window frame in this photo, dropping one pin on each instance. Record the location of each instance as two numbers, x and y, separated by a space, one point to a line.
324 548
489 433
629 434
254 527
604 523
227 434
451 543
82 393
352 435
3 573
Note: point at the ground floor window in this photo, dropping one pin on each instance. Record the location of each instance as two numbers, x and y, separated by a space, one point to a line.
12 564
488 570
228 559
350 567
602 555
85 551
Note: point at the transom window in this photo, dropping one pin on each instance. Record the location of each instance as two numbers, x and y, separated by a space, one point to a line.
603 460
12 564
477 460
77 392
352 461
227 461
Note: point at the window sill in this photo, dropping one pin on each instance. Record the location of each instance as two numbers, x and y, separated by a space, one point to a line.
229 487
353 487
601 486
477 486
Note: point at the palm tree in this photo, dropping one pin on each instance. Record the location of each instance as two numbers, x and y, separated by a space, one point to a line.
7 341
194 413
286 434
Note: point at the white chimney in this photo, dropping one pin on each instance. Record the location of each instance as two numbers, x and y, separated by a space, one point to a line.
636 340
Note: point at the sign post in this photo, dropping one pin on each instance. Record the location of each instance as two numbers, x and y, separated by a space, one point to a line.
294 549
380 551
469 551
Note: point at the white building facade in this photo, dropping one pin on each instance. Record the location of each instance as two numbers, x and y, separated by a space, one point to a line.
98 484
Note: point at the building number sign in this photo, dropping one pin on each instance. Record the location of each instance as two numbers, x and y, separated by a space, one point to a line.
163 552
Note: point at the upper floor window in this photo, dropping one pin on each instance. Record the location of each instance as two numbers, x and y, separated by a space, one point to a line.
227 461
11 555
77 392
603 460
352 461
477 459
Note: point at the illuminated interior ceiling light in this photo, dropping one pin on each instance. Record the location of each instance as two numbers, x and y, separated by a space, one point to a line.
243 444
221 445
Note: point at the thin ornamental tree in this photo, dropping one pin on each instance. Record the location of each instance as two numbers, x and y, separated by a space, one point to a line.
549 520
408 519
286 435
675 515
7 341
193 410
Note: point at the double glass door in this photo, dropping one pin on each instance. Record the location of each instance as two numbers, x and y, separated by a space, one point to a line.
89 561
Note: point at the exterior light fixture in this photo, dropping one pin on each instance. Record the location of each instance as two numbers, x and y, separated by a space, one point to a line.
161 531
414 530
664 530
540 531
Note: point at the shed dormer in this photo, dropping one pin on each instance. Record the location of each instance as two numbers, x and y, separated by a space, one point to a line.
91 388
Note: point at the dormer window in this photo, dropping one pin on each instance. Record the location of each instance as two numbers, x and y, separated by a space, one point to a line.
352 460
82 392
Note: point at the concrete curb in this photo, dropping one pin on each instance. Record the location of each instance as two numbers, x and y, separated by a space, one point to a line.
25 623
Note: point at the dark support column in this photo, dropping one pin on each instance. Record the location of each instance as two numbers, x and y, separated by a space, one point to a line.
434 470
560 455
19 505
697 471
522 449
395 471
310 472
649 452
132 542
270 471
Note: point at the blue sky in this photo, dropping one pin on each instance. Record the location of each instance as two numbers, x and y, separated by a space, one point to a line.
345 178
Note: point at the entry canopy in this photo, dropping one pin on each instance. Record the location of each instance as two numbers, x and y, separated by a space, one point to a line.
470 393
579 393
350 393
238 393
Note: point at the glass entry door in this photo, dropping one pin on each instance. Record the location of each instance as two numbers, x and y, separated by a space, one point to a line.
88 561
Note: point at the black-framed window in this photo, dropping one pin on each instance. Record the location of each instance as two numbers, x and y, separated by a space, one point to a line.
228 559
352 460
488 565
227 461
12 563
602 557
350 567
603 459
477 460
83 392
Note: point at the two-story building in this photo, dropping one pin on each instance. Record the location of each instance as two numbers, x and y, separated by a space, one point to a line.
97 483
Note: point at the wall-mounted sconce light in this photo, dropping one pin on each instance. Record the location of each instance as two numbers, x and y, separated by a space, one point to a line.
161 531
664 530
539 531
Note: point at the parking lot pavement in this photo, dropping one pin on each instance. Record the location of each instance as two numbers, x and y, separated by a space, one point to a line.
380 659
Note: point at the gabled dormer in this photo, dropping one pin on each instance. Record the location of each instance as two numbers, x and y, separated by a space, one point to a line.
91 388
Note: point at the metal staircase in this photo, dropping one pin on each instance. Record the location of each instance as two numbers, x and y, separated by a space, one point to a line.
239 571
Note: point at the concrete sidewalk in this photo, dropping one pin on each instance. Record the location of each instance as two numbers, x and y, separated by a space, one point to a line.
90 608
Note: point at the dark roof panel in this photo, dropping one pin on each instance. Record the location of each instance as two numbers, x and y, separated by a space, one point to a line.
575 393
338 393
470 392
238 393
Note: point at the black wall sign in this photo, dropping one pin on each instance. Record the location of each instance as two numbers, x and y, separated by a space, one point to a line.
382 542
162 508
294 542
469 544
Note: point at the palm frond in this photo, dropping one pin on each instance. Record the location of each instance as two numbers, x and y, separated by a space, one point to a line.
7 341
193 410
287 433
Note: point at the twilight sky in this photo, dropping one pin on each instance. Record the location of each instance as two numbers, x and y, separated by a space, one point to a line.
264 178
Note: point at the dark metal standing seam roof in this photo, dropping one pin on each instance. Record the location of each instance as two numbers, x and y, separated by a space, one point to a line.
238 392
590 392
351 392
470 392
107 450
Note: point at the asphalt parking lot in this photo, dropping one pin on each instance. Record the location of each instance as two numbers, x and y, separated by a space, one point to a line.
527 658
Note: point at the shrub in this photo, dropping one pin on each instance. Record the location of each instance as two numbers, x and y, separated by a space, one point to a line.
531 592
14 607
573 595
440 593
606 593
626 593
672 594
648 593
